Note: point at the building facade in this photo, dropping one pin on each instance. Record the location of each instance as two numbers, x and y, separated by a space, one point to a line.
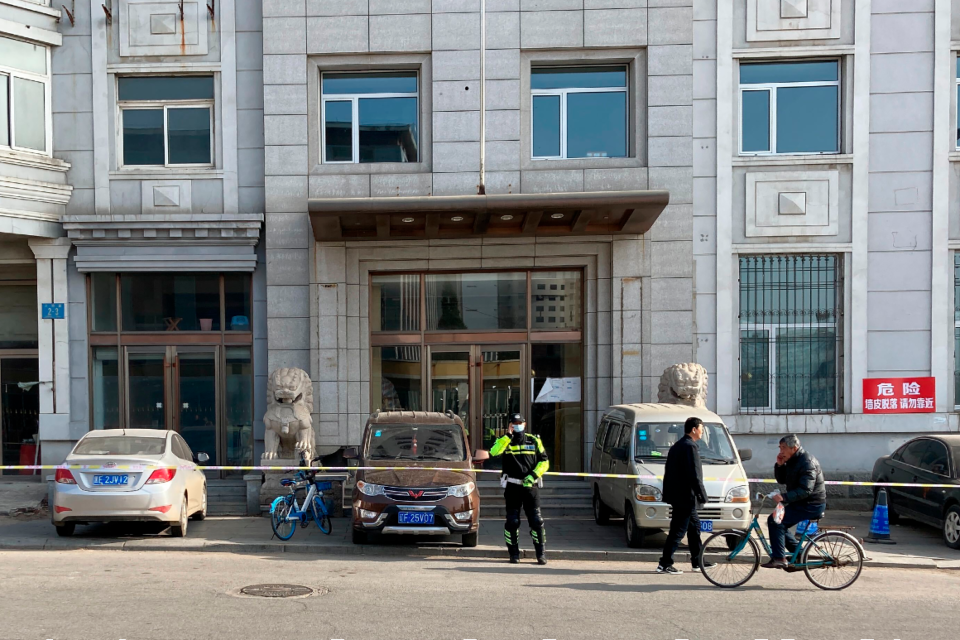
411 266
825 198
482 206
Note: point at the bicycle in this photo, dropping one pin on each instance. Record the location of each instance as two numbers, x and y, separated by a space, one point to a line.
831 560
286 512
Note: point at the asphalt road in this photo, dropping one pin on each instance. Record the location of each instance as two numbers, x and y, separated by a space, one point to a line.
110 595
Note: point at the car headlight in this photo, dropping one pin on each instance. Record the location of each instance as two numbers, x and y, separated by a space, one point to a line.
463 515
646 493
461 490
738 494
367 515
370 489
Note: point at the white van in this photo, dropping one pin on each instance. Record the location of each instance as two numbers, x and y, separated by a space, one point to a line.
633 439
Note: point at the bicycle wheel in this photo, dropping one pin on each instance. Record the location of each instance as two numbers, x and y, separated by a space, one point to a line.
282 527
320 514
731 568
832 560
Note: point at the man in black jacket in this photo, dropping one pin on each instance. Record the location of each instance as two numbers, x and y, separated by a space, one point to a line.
805 499
683 490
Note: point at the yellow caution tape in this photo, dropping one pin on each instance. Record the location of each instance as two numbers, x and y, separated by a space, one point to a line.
563 474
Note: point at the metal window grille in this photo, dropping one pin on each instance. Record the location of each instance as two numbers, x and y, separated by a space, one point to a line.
791 333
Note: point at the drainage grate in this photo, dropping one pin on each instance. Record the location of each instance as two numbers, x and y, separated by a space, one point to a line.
276 590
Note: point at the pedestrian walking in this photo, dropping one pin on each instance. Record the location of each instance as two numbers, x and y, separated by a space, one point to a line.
524 463
683 490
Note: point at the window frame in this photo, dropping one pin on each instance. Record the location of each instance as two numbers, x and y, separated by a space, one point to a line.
9 73
563 94
354 99
166 106
772 343
771 88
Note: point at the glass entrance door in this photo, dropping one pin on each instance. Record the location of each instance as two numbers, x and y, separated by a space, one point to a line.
450 381
146 389
492 376
196 388
175 388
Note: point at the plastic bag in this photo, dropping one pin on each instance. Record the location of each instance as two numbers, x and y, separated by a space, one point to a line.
806 525
778 513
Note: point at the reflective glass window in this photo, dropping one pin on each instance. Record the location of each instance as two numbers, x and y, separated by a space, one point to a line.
395 378
237 301
579 112
567 285
143 137
30 114
170 302
19 328
395 302
802 99
105 390
476 301
188 135
103 301
371 117
23 56
164 88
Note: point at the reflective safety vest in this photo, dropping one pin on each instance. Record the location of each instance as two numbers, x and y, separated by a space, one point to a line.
523 455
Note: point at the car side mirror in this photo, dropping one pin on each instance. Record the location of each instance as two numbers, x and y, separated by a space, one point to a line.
202 458
480 455
745 454
351 453
619 453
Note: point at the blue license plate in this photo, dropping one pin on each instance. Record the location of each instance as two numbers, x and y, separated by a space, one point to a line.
706 526
415 517
110 480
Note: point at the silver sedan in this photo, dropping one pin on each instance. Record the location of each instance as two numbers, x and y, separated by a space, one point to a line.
130 475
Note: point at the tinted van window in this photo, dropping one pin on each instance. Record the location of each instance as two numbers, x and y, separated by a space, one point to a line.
613 433
913 453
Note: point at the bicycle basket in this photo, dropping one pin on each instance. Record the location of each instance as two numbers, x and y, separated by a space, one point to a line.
323 486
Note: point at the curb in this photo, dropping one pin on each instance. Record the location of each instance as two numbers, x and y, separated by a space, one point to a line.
373 551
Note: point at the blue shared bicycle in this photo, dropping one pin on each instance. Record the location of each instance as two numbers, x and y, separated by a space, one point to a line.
286 511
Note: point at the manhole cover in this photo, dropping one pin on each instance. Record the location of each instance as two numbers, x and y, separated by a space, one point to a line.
276 590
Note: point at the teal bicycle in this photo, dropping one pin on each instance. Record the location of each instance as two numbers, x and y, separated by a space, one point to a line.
832 560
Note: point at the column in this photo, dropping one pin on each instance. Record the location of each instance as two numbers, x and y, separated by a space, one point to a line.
54 345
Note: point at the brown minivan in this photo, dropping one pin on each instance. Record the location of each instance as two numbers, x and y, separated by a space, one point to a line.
414 500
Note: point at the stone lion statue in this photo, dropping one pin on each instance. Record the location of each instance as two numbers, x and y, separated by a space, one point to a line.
289 427
684 384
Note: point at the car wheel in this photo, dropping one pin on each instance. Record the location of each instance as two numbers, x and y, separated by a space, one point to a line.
470 539
633 533
359 537
66 529
951 527
601 513
179 530
202 514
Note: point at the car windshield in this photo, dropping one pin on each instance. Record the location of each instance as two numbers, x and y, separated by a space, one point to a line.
120 446
653 441
416 442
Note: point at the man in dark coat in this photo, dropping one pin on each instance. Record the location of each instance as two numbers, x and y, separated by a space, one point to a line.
684 491
805 499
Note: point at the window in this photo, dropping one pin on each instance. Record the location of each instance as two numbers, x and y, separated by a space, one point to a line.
600 433
790 107
476 301
554 281
370 117
398 371
24 87
936 459
790 333
396 302
579 112
914 452
613 435
171 302
167 121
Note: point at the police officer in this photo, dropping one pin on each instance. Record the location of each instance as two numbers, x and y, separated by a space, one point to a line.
524 463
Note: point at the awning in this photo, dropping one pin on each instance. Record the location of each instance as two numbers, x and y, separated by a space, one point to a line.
524 214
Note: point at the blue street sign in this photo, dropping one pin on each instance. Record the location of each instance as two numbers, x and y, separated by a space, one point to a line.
52 311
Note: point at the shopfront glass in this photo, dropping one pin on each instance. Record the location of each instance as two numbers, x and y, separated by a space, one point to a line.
179 358
483 345
19 411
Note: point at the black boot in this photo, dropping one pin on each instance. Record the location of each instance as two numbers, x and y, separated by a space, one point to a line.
513 546
539 537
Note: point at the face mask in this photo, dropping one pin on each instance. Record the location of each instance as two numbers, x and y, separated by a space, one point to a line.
518 428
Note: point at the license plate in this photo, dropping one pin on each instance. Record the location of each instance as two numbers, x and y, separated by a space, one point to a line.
406 517
110 480
706 526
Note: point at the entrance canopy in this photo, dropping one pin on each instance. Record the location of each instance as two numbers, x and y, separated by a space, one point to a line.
524 214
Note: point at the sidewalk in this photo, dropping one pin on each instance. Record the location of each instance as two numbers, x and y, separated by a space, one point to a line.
567 539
